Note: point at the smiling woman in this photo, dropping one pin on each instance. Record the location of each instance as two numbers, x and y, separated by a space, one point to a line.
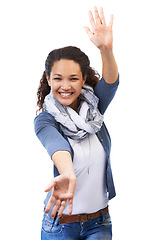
65 67
71 127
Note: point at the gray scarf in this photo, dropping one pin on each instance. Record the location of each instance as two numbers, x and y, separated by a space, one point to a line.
75 125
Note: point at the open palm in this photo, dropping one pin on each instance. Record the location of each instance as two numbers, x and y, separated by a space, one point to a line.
63 191
101 34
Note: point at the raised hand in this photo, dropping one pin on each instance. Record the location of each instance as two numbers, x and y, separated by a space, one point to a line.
101 34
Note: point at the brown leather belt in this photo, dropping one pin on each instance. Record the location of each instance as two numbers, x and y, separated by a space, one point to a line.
81 217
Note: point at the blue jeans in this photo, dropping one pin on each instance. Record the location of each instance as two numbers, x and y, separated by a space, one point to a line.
94 229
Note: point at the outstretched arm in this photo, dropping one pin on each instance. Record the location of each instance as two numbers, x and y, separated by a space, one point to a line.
102 37
60 152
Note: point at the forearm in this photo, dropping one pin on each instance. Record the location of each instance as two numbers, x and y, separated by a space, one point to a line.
109 65
63 162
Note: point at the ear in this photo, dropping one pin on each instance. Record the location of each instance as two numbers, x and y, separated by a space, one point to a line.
48 80
84 79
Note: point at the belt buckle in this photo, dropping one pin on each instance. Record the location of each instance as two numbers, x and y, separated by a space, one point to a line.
88 218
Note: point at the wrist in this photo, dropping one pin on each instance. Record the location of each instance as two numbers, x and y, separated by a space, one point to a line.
63 162
70 175
106 50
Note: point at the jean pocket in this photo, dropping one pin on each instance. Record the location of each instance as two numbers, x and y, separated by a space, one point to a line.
47 226
50 227
106 221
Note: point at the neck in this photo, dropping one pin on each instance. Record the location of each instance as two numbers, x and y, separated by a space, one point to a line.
75 105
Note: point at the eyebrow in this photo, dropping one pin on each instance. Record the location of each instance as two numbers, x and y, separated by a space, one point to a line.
57 74
72 75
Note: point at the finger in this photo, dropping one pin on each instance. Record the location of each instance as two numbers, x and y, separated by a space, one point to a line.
111 21
91 19
97 17
49 204
50 185
53 183
70 206
63 203
55 207
102 16
88 31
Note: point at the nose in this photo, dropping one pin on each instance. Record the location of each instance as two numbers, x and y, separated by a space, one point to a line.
65 85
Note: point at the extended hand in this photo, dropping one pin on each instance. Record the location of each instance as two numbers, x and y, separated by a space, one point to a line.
101 34
63 190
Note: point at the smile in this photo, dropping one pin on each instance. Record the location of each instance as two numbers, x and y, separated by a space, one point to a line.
65 94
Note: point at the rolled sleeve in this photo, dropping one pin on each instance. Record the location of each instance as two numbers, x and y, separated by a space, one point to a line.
47 132
105 92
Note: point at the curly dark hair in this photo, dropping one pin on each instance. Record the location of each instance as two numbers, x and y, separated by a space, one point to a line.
69 53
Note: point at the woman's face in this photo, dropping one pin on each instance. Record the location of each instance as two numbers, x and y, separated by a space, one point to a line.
66 82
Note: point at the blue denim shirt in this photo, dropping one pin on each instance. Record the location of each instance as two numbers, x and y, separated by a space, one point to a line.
53 139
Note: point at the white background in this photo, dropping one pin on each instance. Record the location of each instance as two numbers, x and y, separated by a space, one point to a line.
29 31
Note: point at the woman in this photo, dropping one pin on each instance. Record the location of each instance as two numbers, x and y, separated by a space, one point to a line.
71 128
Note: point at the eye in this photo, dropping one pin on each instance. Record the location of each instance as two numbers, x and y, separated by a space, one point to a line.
57 79
74 79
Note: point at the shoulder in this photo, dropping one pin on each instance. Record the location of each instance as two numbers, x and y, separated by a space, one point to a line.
44 115
48 131
44 119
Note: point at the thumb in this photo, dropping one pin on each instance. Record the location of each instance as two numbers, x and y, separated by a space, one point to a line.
51 184
88 31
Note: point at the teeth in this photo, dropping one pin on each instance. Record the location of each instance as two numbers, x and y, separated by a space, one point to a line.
65 94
